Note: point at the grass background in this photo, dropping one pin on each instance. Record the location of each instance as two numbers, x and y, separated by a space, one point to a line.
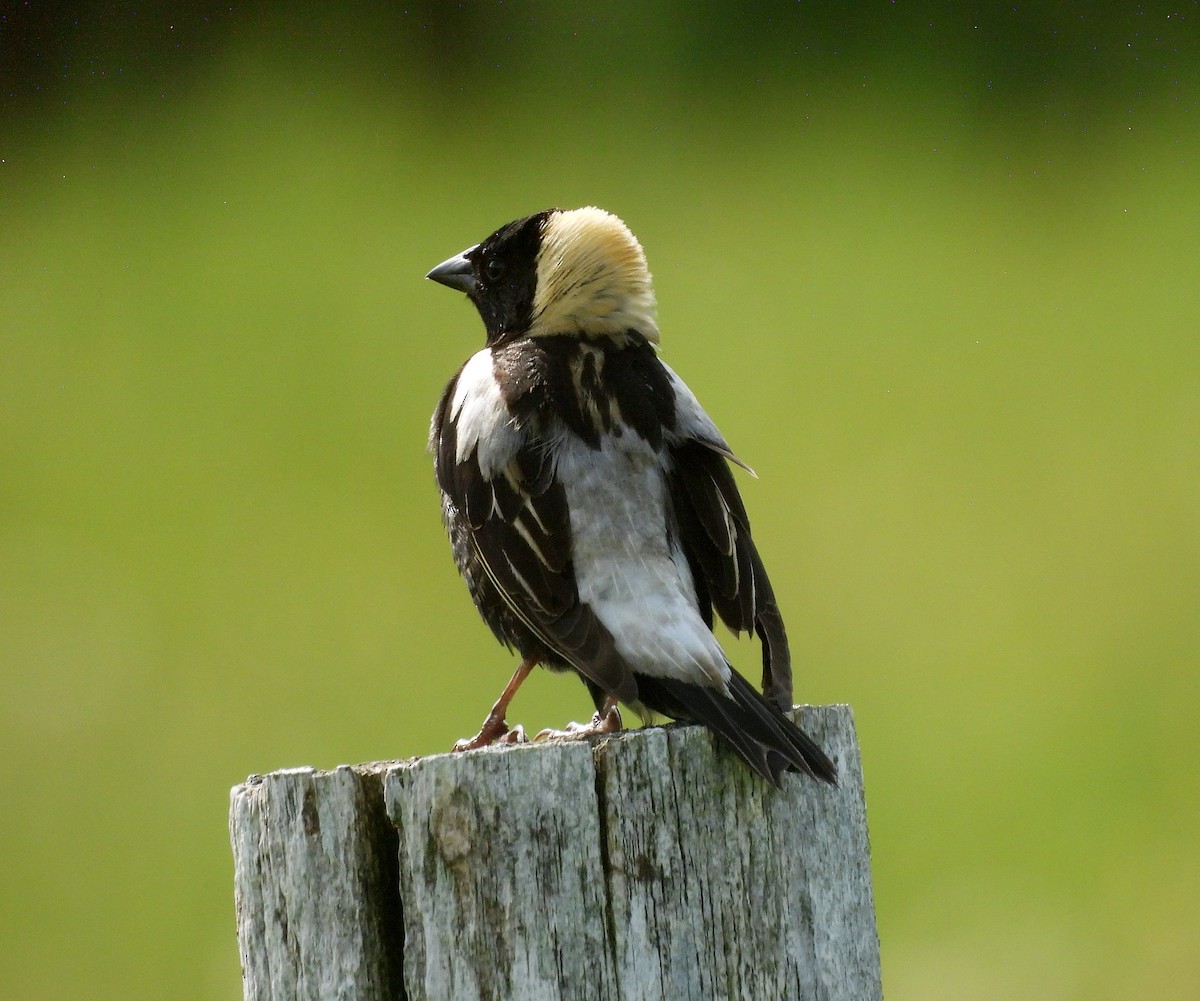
933 270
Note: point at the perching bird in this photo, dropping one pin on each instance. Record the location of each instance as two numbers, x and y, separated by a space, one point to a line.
588 498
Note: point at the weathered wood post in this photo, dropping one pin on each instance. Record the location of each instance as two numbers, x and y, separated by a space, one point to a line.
647 865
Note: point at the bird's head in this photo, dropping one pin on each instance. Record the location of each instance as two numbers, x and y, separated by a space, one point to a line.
578 272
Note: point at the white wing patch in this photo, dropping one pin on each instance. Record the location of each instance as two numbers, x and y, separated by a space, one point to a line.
481 419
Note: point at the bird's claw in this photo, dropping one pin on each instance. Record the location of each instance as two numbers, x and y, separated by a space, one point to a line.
609 722
494 731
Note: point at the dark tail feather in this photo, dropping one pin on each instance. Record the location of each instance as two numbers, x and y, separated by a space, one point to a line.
756 729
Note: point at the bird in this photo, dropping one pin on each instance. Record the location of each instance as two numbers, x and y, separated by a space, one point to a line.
589 499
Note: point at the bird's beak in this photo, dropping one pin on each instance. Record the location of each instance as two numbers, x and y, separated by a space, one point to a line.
457 273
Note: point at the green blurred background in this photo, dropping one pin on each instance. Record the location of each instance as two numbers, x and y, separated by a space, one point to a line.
934 271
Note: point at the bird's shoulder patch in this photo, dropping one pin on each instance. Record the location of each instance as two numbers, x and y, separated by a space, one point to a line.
473 420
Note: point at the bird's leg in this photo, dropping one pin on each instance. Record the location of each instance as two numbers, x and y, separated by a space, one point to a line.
495 729
606 720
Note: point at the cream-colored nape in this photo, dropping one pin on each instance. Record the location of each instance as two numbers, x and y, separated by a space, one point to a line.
592 278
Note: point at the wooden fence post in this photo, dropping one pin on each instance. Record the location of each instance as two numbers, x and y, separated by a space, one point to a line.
647 865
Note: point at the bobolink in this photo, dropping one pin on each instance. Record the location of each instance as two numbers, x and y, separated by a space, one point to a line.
588 497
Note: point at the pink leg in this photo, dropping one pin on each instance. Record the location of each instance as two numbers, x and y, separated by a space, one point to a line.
495 728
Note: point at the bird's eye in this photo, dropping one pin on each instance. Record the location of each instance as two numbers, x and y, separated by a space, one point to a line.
494 269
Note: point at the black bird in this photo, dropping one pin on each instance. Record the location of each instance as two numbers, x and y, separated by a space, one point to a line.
588 497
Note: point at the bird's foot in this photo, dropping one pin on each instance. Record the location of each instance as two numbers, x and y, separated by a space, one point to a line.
602 723
494 731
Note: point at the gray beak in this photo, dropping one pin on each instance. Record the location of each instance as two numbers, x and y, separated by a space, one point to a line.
457 273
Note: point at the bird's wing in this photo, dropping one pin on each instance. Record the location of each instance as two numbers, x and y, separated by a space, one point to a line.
715 531
515 511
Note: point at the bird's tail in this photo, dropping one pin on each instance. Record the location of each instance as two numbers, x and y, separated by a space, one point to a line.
756 729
